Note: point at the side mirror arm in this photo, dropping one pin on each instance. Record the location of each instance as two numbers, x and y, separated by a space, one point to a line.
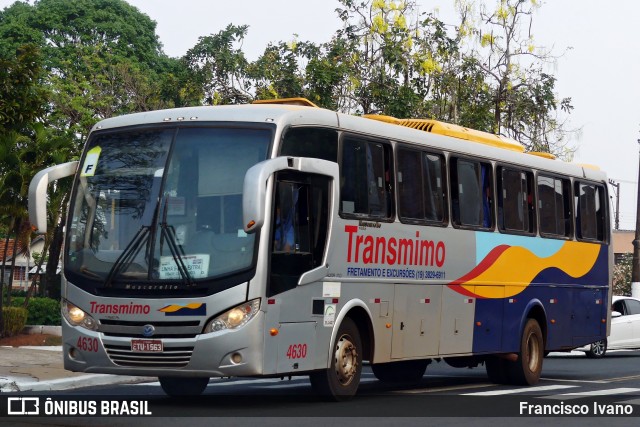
38 192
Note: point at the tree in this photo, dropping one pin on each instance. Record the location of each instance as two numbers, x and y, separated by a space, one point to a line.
22 94
522 97
220 67
276 74
622 275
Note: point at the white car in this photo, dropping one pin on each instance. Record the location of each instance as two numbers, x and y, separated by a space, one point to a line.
625 328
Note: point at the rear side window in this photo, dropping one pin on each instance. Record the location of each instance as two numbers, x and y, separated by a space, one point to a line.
421 189
471 193
633 306
554 205
365 179
590 211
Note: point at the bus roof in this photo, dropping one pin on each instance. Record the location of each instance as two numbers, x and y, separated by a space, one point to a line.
299 112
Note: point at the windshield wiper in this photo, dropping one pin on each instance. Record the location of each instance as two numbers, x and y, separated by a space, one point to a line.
129 253
168 232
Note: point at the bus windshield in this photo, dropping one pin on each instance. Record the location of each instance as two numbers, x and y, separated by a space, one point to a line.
162 206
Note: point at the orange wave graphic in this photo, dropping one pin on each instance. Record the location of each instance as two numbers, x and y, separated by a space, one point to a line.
514 267
174 307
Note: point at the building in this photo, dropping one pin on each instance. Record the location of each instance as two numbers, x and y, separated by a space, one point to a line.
24 266
622 241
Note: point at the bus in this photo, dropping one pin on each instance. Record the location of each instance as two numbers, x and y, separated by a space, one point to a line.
280 239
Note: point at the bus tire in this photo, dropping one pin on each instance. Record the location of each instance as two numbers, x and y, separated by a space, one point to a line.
183 386
527 368
341 380
497 370
406 372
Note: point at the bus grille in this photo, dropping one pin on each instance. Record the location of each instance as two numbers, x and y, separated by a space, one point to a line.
170 357
164 329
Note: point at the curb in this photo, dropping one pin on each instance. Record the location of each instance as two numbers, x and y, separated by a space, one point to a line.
15 385
42 329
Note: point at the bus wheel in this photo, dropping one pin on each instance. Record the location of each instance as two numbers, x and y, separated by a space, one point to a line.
341 380
183 386
526 370
408 371
497 370
597 349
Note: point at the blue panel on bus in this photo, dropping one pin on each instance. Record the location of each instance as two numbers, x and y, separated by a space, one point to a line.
574 308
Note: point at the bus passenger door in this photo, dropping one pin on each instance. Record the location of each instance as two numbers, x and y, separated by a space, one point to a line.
299 228
416 321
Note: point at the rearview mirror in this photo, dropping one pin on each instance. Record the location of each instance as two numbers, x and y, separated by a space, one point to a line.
254 192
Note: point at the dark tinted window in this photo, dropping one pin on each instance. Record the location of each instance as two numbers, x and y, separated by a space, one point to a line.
554 197
421 191
515 200
364 179
471 193
590 211
633 306
318 143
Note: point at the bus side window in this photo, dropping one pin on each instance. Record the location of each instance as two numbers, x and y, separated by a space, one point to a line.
365 187
471 193
554 195
515 201
590 211
319 143
421 192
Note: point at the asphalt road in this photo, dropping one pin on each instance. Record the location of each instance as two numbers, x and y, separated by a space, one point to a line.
445 396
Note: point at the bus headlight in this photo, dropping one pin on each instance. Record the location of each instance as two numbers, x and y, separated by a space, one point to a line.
235 318
78 317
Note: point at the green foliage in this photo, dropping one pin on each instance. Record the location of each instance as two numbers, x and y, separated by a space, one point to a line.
622 275
220 66
41 311
23 96
14 320
66 65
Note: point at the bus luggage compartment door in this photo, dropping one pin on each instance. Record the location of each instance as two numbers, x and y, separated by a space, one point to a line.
296 346
416 320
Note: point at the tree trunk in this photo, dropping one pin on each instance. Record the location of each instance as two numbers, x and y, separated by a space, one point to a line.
4 260
36 275
52 263
17 226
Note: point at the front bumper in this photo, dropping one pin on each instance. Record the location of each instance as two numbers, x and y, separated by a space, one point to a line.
218 354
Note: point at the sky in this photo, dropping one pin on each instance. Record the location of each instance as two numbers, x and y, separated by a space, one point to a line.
599 67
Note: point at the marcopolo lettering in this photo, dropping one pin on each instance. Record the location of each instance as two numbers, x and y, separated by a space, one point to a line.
393 250
130 308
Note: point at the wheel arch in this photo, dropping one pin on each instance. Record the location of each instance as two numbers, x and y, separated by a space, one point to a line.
360 314
535 310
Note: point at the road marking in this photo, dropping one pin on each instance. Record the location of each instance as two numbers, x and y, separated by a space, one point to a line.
630 402
574 381
631 377
520 390
440 389
580 394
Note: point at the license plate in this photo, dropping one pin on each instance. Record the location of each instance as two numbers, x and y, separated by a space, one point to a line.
152 346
